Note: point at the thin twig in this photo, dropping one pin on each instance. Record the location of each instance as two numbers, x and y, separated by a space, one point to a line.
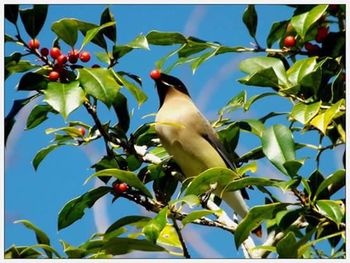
182 241
92 111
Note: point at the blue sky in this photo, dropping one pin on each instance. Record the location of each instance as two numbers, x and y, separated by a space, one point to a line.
39 196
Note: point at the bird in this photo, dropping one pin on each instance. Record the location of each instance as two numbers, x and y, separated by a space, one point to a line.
188 137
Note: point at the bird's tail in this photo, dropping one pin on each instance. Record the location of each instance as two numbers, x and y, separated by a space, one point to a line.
237 203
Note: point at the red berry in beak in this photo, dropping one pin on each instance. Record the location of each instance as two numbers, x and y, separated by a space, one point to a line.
155 74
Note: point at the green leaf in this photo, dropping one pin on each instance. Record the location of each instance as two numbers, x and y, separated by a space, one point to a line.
292 167
332 209
100 83
254 218
13 65
11 13
248 181
71 131
195 215
67 30
120 51
121 109
169 237
125 176
84 27
286 218
156 225
253 99
21 252
304 247
71 251
255 65
263 78
48 250
252 125
32 81
74 209
229 137
305 112
190 200
103 57
278 146
110 32
300 69
138 93
191 47
91 34
250 19
33 19
303 22
323 120
139 42
235 103
16 107
127 220
226 49
335 180
202 183
40 235
277 31
40 155
122 245
201 59
287 247
64 97
38 115
165 38
178 62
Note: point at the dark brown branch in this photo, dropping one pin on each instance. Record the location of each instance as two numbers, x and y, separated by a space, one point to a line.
182 241
92 111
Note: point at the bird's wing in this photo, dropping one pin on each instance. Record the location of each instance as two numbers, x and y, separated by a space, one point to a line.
210 135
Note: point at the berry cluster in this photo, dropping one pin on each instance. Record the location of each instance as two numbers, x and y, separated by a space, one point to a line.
60 60
313 49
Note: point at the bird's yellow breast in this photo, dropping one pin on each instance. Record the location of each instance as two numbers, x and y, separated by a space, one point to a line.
179 130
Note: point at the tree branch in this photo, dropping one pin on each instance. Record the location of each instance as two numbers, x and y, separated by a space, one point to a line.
182 241
92 111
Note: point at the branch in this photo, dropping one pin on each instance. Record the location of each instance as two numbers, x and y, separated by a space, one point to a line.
248 245
274 237
182 241
92 111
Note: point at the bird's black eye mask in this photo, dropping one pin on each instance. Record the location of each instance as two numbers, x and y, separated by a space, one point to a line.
170 81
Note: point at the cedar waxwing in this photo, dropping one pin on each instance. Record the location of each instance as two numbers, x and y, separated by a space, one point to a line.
192 141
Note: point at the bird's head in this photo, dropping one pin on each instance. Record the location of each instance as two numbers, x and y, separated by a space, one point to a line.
165 83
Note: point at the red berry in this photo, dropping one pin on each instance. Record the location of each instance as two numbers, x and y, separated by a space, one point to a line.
289 41
82 131
34 44
120 188
322 33
44 51
84 56
333 8
95 66
308 46
73 56
313 50
55 52
54 75
155 74
62 59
